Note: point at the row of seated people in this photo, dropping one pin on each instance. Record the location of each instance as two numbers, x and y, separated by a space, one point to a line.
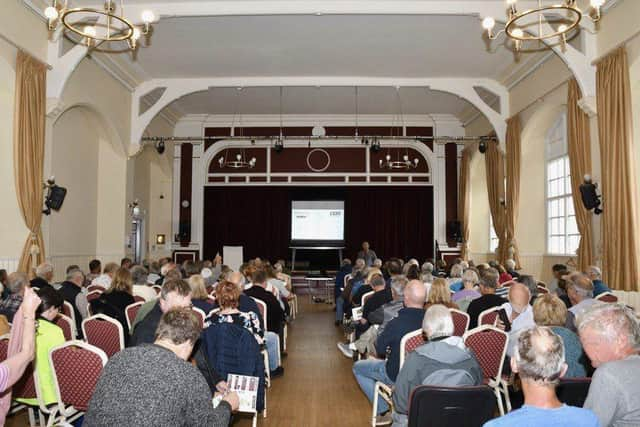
397 307
235 305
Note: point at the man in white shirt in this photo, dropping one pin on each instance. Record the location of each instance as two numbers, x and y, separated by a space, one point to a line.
580 293
520 313
140 286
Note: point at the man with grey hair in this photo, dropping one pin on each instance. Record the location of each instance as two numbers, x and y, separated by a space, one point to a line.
44 276
73 292
510 266
580 293
427 272
610 335
443 361
595 274
489 299
141 288
539 359
16 283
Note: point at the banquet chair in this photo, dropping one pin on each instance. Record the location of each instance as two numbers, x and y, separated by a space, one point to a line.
607 297
489 344
489 316
434 406
67 325
104 332
131 311
460 322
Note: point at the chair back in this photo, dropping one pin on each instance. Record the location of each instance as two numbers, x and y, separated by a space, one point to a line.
541 283
460 322
76 368
211 299
25 387
104 332
67 325
97 288
262 307
607 297
433 406
410 342
138 298
67 310
573 391
365 297
157 288
200 314
131 311
346 280
4 347
93 295
489 345
489 316
214 311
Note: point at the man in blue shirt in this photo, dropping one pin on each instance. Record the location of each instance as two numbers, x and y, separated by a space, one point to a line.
539 359
599 287
409 319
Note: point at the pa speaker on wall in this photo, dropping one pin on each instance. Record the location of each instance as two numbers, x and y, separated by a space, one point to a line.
590 198
454 230
56 196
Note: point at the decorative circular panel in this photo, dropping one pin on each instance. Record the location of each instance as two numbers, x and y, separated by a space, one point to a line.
315 156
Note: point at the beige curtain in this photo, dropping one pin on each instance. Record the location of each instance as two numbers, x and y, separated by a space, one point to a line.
579 142
494 161
464 192
513 159
619 219
28 152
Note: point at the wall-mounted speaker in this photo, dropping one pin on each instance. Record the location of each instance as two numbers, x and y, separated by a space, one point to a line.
454 231
54 199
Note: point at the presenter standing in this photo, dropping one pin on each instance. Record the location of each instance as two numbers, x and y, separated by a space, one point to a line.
368 255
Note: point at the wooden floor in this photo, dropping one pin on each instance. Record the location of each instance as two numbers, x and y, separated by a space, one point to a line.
317 389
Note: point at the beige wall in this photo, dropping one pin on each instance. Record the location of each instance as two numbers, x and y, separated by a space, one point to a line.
21 25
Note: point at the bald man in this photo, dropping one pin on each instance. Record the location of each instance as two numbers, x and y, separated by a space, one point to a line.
520 313
409 319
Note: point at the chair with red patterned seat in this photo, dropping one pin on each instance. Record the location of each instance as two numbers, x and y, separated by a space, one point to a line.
4 347
67 310
138 298
607 297
67 325
408 343
489 344
489 316
104 332
131 311
76 368
460 322
98 288
201 315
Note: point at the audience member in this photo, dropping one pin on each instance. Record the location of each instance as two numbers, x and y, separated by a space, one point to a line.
48 336
155 385
95 269
73 292
106 277
519 312
275 314
154 273
440 294
468 293
4 283
539 360
126 263
17 284
455 277
141 288
115 300
558 271
345 270
504 276
599 287
443 361
413 272
367 372
489 299
580 293
510 267
550 311
361 288
44 276
174 294
610 334
199 297
531 284
427 272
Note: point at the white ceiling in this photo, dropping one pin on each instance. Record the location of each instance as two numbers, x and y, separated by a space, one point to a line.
323 100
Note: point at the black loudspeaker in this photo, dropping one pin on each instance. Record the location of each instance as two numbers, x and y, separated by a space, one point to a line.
55 197
454 230
590 198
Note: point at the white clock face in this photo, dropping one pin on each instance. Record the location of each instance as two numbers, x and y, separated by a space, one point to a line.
185 203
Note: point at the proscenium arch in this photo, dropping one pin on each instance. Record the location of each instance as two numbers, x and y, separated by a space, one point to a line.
178 88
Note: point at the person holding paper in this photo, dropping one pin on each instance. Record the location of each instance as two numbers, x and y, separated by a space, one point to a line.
155 385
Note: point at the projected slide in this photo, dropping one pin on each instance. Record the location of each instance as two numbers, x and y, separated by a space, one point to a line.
317 220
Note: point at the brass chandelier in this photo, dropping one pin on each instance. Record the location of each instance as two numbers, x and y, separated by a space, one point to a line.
562 17
399 163
241 161
96 26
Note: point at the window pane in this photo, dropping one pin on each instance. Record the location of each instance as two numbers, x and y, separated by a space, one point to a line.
567 185
572 226
570 208
572 244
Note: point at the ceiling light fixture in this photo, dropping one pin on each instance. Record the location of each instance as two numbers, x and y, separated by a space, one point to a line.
405 162
240 161
554 19
95 26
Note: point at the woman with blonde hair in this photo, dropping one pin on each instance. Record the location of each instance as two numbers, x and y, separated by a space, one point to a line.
116 299
199 296
440 294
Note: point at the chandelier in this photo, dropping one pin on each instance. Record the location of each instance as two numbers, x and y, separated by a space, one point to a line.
562 18
398 163
240 161
96 26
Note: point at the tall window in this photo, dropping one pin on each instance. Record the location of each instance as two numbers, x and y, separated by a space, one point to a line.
493 237
562 231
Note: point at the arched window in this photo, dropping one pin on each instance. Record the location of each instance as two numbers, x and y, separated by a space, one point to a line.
563 237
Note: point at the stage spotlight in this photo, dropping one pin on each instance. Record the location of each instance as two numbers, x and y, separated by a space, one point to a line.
375 146
160 146
278 146
482 147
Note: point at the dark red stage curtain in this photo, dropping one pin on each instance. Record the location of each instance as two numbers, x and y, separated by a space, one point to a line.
397 221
